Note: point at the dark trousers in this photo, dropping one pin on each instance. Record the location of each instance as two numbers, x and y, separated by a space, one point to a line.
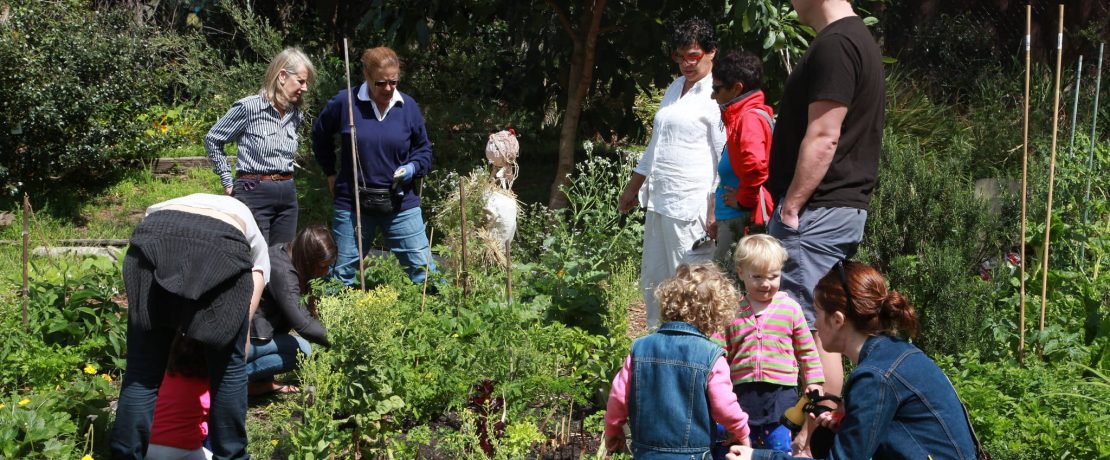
147 353
274 205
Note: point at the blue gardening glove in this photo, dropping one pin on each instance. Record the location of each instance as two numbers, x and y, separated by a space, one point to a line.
404 173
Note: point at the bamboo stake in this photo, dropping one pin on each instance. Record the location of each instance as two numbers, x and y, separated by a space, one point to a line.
427 270
462 223
1024 181
1075 105
354 168
26 258
1091 151
1052 167
509 272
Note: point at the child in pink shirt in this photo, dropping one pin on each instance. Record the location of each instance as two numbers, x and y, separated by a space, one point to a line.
767 343
181 411
674 386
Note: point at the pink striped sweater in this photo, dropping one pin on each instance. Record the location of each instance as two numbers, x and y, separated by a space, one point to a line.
769 347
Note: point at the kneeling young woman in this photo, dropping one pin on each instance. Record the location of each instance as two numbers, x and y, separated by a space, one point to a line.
273 349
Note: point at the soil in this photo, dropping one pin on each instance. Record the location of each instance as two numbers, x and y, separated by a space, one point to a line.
637 320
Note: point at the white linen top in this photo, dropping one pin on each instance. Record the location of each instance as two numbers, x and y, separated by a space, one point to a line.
232 209
680 163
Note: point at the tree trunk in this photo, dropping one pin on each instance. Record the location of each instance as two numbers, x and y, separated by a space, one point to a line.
578 86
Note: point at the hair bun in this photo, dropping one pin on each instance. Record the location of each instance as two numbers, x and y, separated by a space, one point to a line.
898 313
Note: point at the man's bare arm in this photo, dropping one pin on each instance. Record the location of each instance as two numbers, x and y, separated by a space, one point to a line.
814 156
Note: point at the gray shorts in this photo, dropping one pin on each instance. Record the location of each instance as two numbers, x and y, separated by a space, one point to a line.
824 236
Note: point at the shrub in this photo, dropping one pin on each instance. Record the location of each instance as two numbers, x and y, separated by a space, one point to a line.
584 243
80 78
928 232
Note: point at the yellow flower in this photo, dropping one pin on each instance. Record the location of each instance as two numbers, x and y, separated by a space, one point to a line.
2 405
274 442
87 457
106 377
24 402
89 369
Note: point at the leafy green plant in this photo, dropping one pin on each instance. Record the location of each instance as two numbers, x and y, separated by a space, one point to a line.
783 36
58 423
73 319
319 434
74 304
1041 410
584 245
31 427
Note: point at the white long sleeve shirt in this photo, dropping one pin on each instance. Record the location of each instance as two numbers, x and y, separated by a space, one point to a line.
680 163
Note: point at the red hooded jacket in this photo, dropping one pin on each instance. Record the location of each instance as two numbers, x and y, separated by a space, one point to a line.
749 151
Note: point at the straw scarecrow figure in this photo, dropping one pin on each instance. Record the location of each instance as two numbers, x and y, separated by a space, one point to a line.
501 207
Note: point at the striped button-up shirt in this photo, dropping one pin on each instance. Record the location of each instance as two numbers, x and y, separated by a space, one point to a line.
267 140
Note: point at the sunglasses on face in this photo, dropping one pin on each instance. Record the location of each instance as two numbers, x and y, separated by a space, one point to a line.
717 88
691 58
844 284
382 83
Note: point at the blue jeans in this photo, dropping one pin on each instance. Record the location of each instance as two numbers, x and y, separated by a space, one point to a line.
147 353
404 234
269 357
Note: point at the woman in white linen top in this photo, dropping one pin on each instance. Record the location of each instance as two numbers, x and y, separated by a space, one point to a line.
677 174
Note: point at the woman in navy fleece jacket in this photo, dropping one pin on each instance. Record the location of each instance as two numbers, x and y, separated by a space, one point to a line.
393 150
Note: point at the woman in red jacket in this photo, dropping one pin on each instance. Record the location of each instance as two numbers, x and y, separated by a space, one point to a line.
740 198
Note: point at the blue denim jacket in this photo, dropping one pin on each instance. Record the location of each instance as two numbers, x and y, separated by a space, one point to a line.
898 405
667 398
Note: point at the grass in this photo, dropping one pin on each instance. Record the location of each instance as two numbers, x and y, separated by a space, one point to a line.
111 214
196 149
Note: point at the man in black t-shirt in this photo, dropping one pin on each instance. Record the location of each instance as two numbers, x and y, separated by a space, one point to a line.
825 154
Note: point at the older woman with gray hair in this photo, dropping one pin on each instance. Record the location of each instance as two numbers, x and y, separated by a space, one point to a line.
265 126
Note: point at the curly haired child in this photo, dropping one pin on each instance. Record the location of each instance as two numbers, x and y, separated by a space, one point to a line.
674 386
767 343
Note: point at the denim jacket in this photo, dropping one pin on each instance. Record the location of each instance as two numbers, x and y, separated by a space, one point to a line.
898 405
668 405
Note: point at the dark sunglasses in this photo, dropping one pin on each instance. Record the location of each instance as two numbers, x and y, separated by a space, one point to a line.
382 83
717 87
844 283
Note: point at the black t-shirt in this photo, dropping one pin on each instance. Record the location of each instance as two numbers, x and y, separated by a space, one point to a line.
843 64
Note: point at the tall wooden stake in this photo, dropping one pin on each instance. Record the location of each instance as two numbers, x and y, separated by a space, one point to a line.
1052 167
428 266
354 168
509 272
1024 181
462 224
26 258
1091 151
